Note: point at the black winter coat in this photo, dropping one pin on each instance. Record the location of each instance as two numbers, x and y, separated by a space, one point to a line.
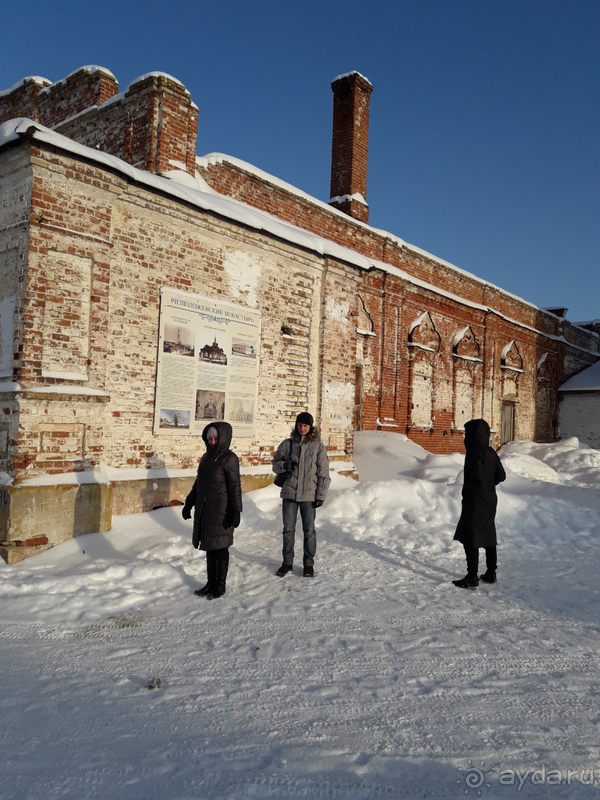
483 471
216 493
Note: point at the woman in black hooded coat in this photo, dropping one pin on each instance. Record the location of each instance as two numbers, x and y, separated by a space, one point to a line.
476 527
216 498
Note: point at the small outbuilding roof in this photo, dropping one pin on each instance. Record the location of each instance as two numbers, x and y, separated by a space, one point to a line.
588 380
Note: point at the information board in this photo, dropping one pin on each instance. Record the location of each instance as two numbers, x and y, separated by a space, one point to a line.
208 360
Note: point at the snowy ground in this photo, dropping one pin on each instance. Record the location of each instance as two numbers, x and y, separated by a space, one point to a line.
376 679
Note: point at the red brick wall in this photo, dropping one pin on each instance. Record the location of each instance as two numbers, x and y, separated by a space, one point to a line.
73 95
391 301
21 102
50 104
153 124
393 306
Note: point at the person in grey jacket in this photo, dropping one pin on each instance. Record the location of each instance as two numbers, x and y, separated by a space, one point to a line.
302 459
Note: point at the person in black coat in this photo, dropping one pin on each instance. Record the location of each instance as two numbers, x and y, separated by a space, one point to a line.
216 498
476 527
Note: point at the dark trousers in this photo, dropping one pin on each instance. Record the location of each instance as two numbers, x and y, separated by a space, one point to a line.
220 555
290 513
472 555
214 560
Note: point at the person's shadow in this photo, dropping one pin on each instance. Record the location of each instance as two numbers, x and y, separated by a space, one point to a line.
157 491
92 512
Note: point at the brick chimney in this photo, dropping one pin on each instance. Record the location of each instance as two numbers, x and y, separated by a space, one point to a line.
350 145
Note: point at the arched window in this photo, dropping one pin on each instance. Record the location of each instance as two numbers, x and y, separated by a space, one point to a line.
512 369
423 344
422 333
546 407
511 358
545 369
511 365
466 365
364 323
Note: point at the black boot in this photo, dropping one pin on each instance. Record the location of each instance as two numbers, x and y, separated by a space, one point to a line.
210 573
491 560
222 565
468 582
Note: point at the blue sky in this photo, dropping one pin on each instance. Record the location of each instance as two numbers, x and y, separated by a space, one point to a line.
484 123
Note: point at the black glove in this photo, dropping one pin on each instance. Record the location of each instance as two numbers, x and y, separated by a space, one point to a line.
287 465
186 511
317 504
231 519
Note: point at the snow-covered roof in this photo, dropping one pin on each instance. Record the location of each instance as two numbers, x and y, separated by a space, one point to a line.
556 311
588 326
586 381
244 214
212 159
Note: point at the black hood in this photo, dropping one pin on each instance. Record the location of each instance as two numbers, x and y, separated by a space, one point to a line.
225 432
477 433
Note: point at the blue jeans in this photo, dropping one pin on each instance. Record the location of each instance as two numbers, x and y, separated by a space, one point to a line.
308 514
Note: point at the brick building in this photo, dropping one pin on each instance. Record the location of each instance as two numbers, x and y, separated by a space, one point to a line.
107 217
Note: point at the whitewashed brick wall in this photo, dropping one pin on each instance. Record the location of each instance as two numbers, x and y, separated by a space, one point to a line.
579 415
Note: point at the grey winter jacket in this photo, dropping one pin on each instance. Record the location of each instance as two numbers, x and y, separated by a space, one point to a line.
309 479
